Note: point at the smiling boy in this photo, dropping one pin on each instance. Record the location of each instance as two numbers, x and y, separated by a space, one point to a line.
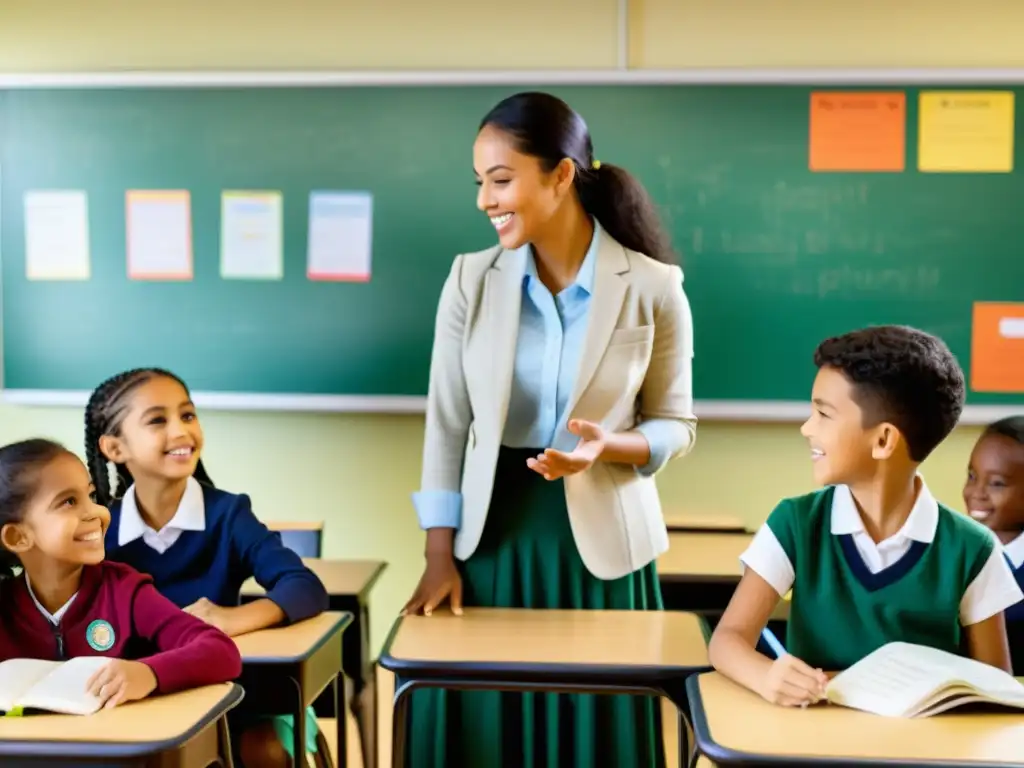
871 558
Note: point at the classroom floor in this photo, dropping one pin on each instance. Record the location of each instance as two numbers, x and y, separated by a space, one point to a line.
385 692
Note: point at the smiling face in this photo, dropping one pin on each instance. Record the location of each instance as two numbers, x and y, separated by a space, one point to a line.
994 491
160 436
516 193
60 522
842 449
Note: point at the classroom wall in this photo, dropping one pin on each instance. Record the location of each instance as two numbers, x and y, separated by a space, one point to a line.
357 471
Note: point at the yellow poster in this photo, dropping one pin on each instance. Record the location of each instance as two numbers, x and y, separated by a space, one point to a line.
966 132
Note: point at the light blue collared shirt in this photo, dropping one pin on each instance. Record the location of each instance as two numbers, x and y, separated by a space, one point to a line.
552 334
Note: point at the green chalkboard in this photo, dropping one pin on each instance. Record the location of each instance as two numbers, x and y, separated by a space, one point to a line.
776 257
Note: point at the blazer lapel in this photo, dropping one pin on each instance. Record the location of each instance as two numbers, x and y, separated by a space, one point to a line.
502 303
605 306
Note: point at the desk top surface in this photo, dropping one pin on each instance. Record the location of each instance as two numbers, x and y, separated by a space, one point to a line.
292 643
681 520
710 555
339 577
140 727
484 636
730 721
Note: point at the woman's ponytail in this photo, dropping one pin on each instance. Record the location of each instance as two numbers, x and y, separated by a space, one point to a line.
621 205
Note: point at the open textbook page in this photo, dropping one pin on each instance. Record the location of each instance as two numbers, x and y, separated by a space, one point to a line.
907 680
52 686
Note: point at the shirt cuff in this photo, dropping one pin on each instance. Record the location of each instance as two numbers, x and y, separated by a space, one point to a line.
664 438
438 509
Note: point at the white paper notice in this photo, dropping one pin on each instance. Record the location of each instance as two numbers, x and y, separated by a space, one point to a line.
251 236
56 235
159 235
340 235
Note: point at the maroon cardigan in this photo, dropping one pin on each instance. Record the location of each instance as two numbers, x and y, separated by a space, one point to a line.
118 613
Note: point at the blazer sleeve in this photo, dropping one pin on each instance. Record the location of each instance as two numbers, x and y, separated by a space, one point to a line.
666 396
438 502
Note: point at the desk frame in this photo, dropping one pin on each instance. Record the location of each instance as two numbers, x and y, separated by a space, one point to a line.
266 697
356 661
529 678
115 754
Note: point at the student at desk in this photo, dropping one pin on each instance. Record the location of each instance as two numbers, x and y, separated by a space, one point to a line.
560 384
994 495
67 602
199 543
872 558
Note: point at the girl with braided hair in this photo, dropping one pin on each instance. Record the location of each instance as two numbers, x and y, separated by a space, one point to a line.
199 543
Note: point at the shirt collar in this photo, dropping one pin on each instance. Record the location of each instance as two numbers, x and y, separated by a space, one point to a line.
585 276
190 515
920 525
53 618
1015 551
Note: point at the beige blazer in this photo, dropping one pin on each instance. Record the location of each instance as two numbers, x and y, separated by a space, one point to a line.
636 365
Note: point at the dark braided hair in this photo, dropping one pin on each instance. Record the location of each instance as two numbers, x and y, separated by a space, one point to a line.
20 464
103 416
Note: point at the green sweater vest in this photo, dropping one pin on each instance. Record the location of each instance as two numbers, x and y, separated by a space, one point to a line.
841 612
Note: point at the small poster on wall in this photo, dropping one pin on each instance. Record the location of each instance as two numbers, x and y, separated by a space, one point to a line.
56 235
251 236
159 224
340 236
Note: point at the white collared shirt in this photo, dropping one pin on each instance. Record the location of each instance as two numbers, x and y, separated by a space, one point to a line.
53 618
1015 551
190 516
992 591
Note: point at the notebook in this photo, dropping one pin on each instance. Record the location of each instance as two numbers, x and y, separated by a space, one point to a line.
49 686
907 680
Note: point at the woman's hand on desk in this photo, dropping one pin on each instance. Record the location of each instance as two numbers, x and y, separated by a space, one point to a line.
440 580
792 683
552 464
121 681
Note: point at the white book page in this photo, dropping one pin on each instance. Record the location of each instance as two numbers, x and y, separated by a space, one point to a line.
19 675
64 689
899 679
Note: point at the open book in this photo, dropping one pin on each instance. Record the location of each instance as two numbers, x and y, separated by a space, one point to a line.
51 686
907 680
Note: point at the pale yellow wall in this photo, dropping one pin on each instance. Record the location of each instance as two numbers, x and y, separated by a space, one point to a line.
357 471
827 33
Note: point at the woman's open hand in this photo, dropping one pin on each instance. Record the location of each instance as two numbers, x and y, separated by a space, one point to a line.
553 464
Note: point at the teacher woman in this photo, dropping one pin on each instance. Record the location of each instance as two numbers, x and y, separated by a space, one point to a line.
560 383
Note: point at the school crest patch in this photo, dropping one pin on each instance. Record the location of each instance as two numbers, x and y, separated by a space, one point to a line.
100 635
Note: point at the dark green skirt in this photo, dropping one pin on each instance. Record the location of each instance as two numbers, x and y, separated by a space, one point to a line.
527 558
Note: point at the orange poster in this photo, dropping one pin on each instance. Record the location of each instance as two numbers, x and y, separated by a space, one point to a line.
997 347
855 131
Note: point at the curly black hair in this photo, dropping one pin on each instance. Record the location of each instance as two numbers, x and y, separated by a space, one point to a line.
1011 427
20 464
103 416
901 375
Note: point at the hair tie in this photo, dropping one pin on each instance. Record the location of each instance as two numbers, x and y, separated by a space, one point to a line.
596 165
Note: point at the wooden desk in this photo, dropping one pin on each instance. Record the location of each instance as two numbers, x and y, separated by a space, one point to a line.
695 522
182 730
284 669
699 572
348 584
634 652
733 726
